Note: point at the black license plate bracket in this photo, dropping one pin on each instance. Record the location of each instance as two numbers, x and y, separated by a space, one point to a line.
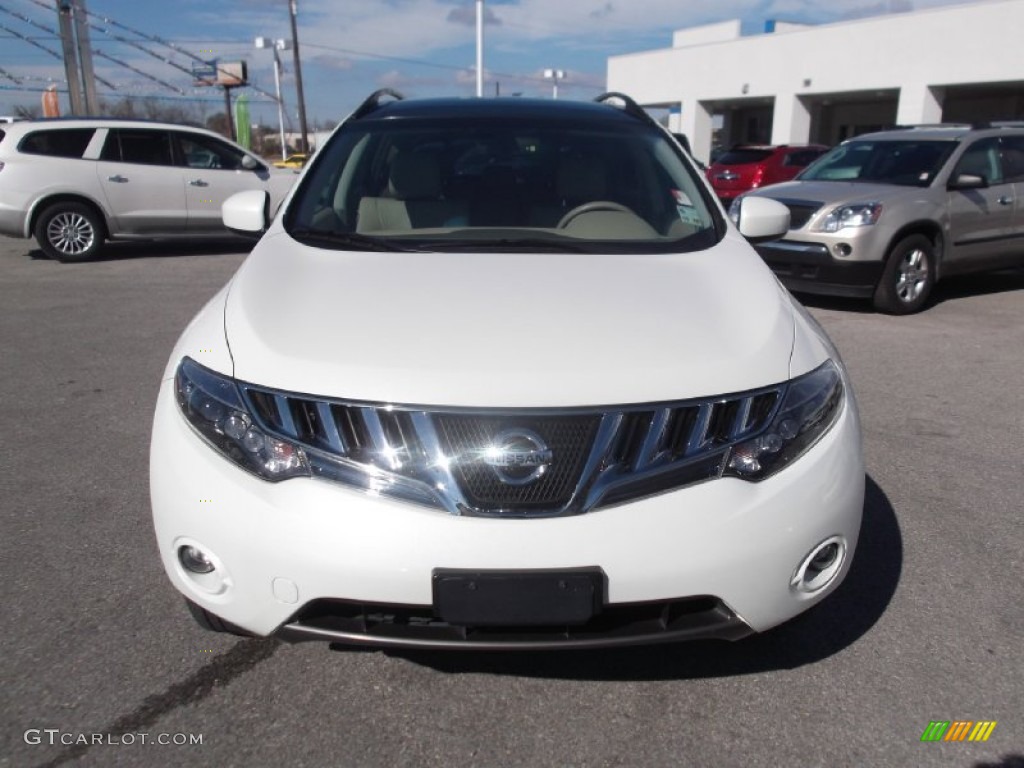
526 598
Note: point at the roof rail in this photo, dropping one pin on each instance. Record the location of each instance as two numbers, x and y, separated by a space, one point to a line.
106 119
998 124
629 106
372 102
926 126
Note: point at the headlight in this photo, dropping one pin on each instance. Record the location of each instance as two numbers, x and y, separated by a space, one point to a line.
860 215
809 408
213 406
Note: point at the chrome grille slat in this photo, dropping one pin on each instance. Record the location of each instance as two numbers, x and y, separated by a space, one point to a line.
739 425
383 453
284 414
598 455
699 434
437 465
332 435
652 447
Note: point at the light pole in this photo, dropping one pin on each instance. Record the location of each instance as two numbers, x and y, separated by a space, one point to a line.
554 75
275 46
479 48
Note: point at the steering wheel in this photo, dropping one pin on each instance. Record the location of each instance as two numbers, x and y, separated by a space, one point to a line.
597 205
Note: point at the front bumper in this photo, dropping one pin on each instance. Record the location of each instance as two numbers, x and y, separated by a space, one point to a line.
810 268
307 558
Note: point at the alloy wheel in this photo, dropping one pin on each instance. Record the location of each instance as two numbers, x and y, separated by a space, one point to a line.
71 233
912 275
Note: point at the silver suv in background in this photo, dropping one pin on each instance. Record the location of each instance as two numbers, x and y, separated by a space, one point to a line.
886 215
75 183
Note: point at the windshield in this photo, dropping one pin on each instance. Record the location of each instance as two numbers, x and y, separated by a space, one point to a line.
444 184
905 163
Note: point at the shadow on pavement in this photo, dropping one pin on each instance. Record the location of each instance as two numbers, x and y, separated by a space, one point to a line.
1008 761
960 287
827 629
149 249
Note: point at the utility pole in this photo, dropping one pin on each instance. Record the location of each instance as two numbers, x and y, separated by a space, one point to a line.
92 105
227 112
67 41
479 48
303 141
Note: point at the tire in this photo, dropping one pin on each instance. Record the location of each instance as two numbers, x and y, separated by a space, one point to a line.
908 276
70 232
213 623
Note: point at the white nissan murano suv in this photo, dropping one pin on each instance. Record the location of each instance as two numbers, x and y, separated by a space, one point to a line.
501 374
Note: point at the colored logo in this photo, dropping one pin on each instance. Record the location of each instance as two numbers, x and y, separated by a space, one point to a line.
958 730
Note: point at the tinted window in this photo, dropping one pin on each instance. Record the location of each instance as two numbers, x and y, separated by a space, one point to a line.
1013 158
61 142
905 163
145 147
981 159
198 151
802 157
743 156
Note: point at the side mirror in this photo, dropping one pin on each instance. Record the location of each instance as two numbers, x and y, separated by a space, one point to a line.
247 213
250 163
967 181
760 218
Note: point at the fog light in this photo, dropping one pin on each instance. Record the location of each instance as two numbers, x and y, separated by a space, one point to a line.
194 560
823 558
842 249
820 566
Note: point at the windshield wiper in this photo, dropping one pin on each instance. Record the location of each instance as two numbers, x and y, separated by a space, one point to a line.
504 244
339 240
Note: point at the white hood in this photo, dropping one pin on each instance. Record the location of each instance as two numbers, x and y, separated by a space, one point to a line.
507 329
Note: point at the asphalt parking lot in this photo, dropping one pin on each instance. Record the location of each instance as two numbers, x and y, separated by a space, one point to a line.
99 649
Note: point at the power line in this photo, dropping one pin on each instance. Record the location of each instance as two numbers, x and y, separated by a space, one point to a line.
44 28
140 35
32 42
136 70
9 76
29 89
152 38
422 62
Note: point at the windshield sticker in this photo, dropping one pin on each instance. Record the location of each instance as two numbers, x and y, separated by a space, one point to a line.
681 198
688 213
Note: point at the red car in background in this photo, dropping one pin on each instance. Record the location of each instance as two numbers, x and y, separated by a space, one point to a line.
747 166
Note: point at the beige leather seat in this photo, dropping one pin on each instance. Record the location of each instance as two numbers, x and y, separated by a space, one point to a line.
415 199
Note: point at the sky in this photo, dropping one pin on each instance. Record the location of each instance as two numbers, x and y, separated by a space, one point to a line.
349 48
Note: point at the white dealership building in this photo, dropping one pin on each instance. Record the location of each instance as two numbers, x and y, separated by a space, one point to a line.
796 83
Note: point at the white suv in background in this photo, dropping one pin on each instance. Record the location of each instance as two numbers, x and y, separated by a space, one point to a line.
75 183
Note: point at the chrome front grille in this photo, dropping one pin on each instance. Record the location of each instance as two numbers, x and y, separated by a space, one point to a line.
515 462
468 436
